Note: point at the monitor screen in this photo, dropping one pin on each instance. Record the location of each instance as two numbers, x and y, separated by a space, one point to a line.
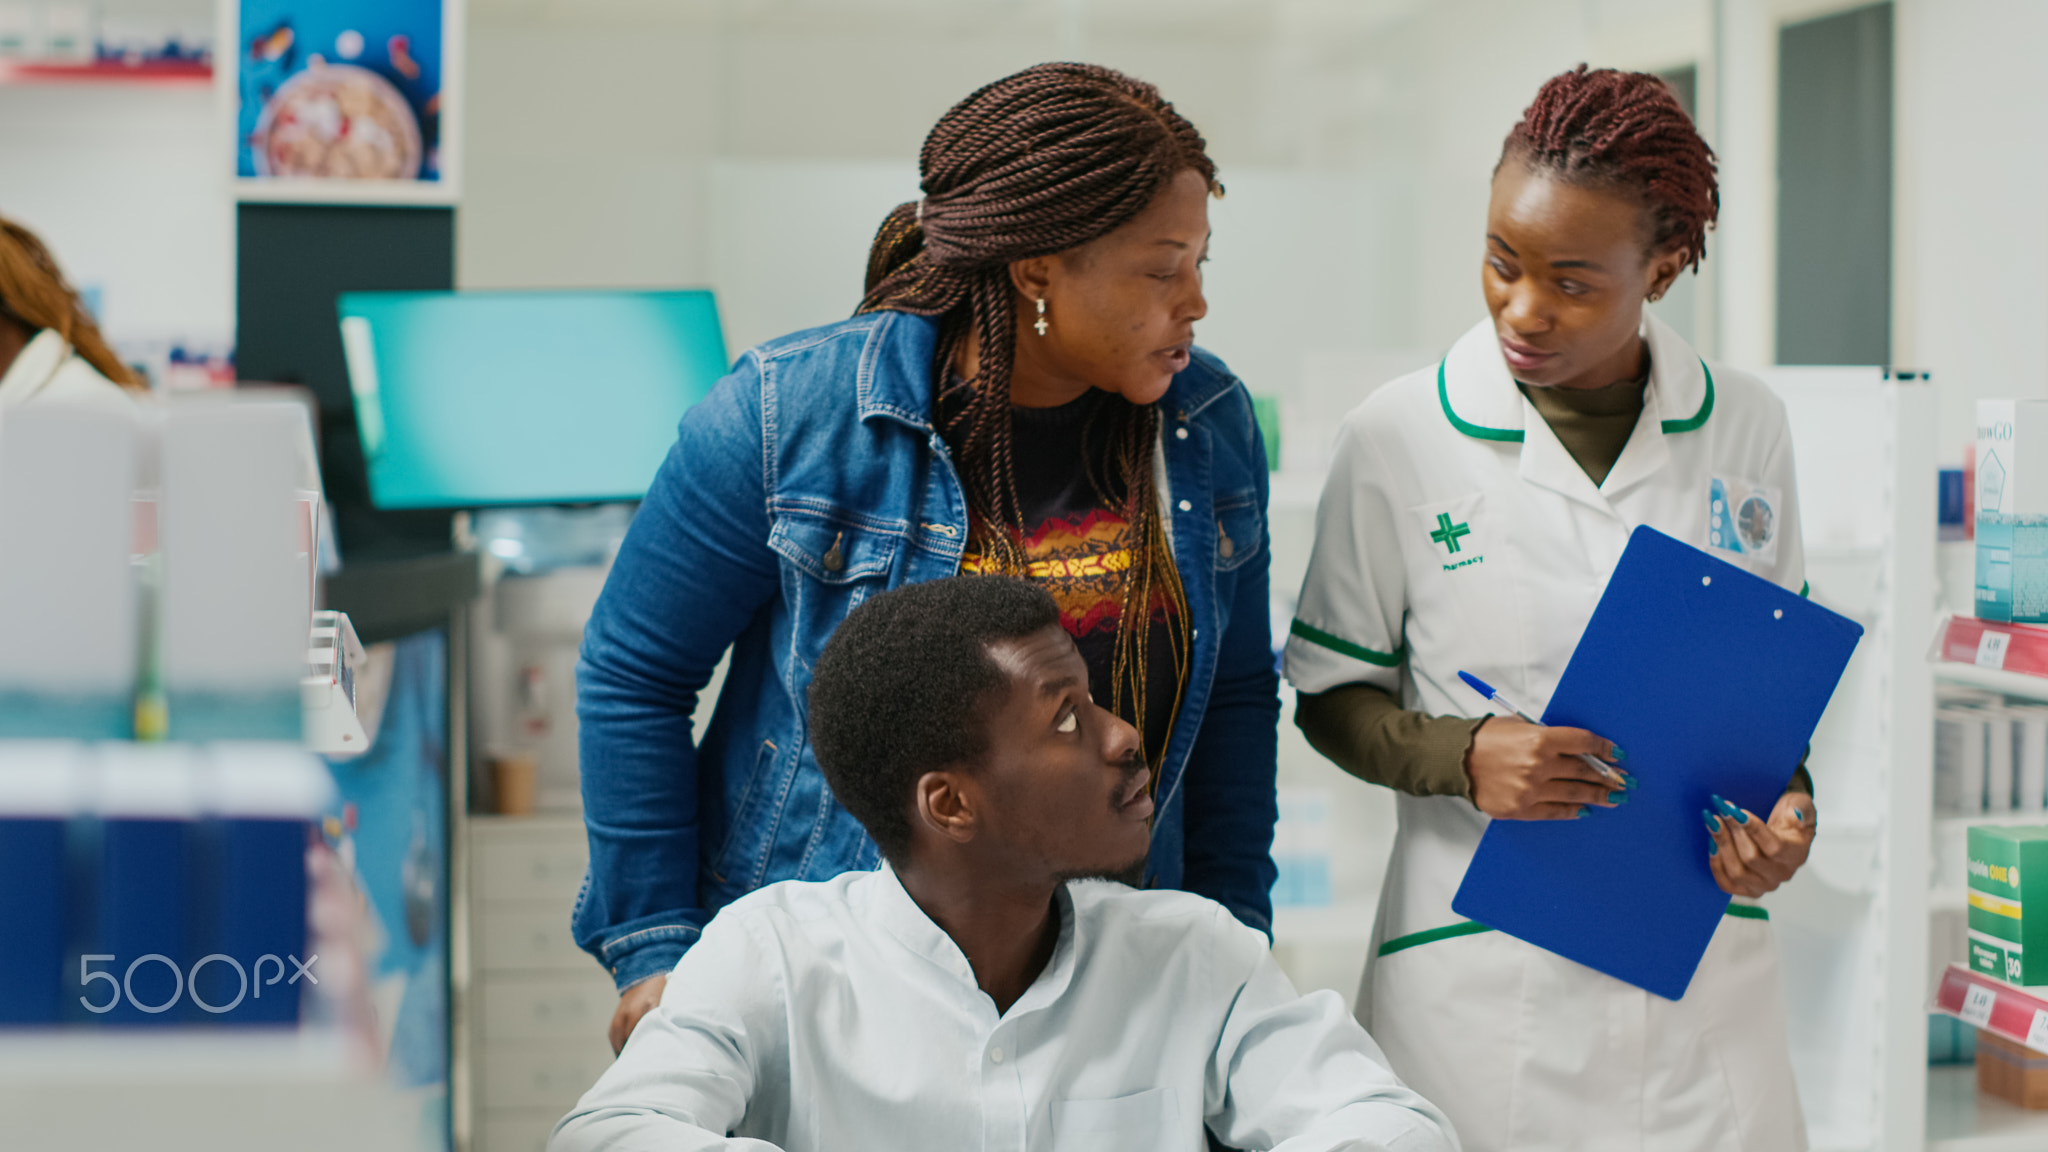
469 399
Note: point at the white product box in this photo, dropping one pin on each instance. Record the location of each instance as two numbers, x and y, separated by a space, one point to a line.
2012 511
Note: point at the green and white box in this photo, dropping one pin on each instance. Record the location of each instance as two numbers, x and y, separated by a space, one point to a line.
2012 510
2009 903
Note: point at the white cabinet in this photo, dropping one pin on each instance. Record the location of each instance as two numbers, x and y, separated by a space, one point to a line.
541 1005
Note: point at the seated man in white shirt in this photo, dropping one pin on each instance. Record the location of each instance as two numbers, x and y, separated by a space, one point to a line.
980 990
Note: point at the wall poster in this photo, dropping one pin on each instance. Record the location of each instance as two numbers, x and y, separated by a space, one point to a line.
343 101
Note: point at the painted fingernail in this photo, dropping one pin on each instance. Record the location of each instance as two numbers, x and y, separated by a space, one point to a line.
1741 817
1799 814
1713 849
1582 814
1617 797
1619 754
1713 822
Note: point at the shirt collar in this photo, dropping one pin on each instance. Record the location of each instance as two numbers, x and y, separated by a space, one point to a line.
32 369
901 918
1480 399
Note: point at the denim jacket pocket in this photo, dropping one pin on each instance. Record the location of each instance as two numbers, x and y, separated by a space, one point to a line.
832 550
1240 529
750 833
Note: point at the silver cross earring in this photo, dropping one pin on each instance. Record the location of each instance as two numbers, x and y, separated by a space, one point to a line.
1041 325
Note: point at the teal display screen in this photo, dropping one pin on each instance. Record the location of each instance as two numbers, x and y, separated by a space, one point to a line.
471 399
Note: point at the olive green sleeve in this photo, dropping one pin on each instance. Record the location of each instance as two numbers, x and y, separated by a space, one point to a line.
1366 732
1363 730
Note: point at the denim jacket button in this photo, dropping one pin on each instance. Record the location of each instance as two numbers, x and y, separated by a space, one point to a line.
1180 433
1186 507
835 560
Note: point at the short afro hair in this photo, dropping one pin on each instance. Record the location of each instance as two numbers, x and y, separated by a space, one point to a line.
895 692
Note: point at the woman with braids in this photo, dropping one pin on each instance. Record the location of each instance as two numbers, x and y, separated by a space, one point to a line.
1471 519
51 352
1018 393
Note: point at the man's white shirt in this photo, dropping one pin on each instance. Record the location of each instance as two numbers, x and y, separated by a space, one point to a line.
837 1015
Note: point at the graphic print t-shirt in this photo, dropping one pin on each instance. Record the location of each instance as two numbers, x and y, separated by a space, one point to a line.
1077 546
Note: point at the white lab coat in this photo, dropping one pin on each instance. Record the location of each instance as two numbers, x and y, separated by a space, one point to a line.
1456 532
48 372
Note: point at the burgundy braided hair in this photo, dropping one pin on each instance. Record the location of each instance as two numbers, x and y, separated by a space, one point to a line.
1037 163
1624 130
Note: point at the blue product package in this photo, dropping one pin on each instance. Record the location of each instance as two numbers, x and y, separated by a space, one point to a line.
38 798
131 968
262 798
32 907
2012 568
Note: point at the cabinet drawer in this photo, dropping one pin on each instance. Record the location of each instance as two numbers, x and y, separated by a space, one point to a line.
525 1130
545 1008
540 869
527 1075
528 937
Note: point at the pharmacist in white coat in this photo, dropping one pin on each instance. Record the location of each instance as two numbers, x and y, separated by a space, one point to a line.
1472 517
51 352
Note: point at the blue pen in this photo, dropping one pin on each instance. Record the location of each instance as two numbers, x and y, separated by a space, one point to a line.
1484 689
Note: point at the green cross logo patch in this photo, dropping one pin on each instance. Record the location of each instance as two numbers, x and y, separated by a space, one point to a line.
1448 533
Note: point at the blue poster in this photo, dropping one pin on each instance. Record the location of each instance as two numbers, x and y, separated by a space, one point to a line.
339 89
389 826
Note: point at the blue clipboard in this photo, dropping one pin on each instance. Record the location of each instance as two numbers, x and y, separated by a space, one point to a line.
1711 680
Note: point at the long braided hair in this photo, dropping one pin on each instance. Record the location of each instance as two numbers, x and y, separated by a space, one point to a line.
1624 129
1035 164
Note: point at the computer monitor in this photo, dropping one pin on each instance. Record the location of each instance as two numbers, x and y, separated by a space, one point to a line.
475 399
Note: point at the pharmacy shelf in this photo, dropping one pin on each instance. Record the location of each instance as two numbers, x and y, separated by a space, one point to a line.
106 72
1953 822
2018 1014
37 1056
1959 1119
2010 683
226 1090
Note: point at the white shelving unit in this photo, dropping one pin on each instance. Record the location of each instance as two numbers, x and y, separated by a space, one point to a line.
251 1090
1853 926
1959 1118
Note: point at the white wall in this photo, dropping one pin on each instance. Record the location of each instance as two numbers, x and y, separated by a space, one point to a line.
1971 302
123 184
755 147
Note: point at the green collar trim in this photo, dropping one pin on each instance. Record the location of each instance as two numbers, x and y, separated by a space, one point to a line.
1514 435
1476 431
1343 647
1700 417
1473 928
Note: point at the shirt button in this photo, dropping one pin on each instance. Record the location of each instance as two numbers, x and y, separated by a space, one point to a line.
995 1055
1180 433
1186 507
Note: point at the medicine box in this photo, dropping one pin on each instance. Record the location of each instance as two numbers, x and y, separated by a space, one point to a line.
2011 1071
2008 875
2012 511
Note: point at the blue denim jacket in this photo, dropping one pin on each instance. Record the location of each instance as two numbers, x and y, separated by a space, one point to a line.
825 438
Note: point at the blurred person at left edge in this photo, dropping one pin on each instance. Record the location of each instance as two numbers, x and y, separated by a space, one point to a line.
51 352
1018 393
